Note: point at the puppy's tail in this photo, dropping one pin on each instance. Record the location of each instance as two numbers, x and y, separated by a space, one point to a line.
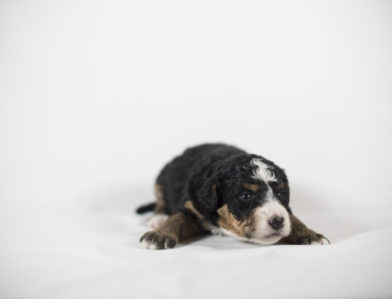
146 208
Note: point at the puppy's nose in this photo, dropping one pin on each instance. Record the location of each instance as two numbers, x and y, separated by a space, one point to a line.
276 222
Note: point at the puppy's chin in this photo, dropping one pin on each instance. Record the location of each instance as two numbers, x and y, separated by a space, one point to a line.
267 240
270 237
262 240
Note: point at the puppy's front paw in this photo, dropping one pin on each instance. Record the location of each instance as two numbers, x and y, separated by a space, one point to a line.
305 237
319 239
158 240
313 238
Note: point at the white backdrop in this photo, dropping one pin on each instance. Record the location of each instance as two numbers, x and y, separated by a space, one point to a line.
96 96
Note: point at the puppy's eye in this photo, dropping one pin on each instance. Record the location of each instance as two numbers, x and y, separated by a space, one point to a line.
245 196
281 193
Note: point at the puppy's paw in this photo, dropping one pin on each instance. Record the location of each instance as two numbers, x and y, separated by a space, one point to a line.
315 239
305 237
158 240
320 240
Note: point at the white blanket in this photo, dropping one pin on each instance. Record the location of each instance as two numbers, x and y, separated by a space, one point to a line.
90 249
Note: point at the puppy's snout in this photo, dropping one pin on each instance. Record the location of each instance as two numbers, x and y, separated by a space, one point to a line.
276 222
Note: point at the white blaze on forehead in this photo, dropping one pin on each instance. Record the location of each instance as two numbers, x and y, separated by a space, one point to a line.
262 171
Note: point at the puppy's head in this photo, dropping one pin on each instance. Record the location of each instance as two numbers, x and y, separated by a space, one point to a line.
252 196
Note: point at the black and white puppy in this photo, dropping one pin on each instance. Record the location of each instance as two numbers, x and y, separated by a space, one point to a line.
216 188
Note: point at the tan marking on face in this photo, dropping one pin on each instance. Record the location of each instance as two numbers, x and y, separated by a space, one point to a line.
160 204
280 186
252 187
228 221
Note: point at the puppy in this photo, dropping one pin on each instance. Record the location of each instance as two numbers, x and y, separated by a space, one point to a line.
220 189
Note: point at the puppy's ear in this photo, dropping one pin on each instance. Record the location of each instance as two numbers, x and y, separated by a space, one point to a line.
204 187
207 197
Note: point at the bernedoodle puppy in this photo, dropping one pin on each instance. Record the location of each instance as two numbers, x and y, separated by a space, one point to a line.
220 189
